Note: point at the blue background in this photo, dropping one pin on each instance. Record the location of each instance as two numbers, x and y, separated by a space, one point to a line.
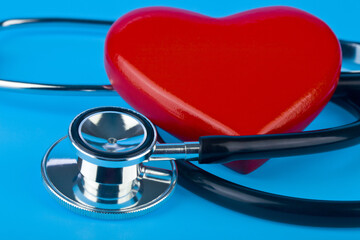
30 124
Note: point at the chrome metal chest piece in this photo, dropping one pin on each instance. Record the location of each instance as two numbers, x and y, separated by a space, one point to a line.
102 168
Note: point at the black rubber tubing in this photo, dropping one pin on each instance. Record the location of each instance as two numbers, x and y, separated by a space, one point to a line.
292 210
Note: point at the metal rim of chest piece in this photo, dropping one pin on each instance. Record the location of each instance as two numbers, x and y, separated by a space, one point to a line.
102 170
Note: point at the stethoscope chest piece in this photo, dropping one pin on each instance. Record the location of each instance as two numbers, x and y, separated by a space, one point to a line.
102 170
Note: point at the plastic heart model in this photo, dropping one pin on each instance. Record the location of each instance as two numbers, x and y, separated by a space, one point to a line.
268 70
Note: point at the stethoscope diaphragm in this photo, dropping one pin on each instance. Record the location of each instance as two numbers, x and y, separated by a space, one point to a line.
102 170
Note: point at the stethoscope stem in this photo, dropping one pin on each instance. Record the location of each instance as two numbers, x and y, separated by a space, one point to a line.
188 151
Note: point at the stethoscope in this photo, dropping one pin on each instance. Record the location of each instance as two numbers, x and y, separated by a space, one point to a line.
114 165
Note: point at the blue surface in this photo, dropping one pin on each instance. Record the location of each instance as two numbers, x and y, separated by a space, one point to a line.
30 124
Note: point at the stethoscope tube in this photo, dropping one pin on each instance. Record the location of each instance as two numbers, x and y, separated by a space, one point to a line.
224 149
321 213
275 207
51 89
217 150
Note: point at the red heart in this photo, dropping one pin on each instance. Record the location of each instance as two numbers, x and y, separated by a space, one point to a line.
268 70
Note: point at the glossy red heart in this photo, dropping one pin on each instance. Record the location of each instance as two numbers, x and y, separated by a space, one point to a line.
268 70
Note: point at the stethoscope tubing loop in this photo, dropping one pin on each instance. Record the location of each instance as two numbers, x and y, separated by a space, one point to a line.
231 195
